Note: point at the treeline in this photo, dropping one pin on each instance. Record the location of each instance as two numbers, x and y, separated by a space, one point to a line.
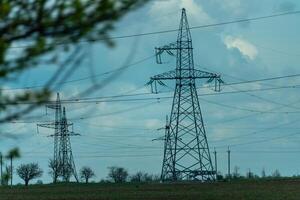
236 175
30 171
121 175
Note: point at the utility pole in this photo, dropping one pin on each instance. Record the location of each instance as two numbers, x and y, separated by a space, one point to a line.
186 151
63 161
1 164
229 175
216 164
11 171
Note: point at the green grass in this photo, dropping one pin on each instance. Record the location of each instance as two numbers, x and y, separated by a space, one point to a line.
237 190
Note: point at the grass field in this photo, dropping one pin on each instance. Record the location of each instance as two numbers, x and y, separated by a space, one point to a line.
237 190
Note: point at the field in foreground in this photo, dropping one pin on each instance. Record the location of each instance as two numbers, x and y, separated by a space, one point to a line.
238 190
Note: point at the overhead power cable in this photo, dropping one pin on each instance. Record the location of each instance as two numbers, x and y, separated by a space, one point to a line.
259 141
257 132
253 95
175 30
247 109
263 79
83 78
107 156
102 99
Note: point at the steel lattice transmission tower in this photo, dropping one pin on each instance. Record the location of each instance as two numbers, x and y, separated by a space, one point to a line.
186 150
63 162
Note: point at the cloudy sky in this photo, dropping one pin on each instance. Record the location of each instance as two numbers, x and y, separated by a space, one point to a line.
261 126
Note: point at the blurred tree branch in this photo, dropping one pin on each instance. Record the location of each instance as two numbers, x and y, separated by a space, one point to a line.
39 27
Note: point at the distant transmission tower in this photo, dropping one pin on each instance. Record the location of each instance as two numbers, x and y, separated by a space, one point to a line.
186 151
63 162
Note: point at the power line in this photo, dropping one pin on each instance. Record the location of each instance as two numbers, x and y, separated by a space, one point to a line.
263 79
261 141
84 78
277 51
269 101
120 127
246 109
255 96
107 156
256 132
115 112
175 30
78 100
143 60
260 151
266 151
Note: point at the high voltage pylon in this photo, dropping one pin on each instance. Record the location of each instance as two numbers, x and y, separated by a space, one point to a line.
63 162
186 150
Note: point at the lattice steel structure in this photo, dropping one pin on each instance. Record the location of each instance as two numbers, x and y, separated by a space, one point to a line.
63 162
186 150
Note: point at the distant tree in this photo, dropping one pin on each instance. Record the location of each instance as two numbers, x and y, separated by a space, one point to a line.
6 176
29 171
12 154
86 173
156 178
66 174
104 181
236 173
276 174
118 174
138 177
249 174
263 173
220 176
39 182
143 177
54 171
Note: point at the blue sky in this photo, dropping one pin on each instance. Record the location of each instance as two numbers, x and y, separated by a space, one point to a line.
246 51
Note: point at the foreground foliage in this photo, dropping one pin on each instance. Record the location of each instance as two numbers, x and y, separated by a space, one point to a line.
32 29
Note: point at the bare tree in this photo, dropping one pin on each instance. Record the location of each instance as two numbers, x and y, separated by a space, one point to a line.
143 177
29 171
236 173
263 173
86 173
137 177
276 174
54 170
250 174
118 174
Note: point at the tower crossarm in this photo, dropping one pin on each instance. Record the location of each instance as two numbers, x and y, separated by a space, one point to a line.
170 75
166 48
67 134
51 125
198 74
192 74
213 78
48 125
171 46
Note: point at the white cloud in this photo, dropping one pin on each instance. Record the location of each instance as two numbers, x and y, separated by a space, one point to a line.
244 46
232 6
195 12
153 123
